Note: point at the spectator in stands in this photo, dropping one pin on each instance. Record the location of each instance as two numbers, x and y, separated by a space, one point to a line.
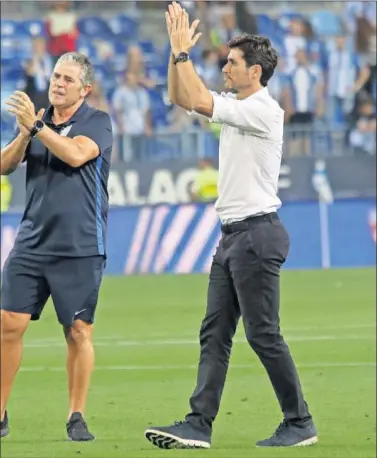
178 121
136 64
204 188
132 111
304 102
6 193
347 74
97 99
363 133
301 36
246 20
209 69
366 45
277 85
356 10
222 34
294 40
38 71
61 29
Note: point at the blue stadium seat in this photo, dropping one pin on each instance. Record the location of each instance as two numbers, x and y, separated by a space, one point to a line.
120 53
12 49
8 28
147 48
7 126
87 48
286 17
7 49
14 30
94 27
12 75
120 48
157 72
34 27
325 23
119 64
105 75
124 27
265 24
158 108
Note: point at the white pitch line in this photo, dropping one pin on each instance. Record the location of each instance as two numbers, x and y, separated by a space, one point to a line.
193 336
194 366
154 343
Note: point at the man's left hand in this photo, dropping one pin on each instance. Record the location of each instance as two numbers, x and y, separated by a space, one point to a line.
23 108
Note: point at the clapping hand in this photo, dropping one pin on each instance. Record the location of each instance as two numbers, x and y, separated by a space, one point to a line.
24 109
182 36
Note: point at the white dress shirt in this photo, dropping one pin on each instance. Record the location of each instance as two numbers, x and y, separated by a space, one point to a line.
250 153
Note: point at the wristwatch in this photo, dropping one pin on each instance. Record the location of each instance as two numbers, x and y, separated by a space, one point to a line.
38 126
182 57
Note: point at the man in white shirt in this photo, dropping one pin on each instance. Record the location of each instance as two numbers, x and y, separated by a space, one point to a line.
244 278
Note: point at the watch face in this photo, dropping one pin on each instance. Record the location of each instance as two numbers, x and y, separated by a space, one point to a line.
39 124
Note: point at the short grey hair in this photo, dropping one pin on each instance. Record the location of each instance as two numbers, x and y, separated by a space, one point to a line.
87 72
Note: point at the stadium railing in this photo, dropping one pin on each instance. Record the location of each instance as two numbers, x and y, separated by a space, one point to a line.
298 141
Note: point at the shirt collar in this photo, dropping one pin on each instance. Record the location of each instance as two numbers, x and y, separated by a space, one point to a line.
47 117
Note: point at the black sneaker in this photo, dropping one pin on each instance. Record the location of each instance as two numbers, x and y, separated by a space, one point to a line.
77 429
4 426
291 435
181 434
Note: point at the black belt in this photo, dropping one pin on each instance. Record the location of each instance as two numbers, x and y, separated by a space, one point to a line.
246 224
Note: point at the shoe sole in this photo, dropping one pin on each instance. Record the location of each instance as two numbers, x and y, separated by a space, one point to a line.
80 440
305 443
4 432
169 441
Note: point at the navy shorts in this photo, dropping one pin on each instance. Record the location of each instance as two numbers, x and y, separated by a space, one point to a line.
73 283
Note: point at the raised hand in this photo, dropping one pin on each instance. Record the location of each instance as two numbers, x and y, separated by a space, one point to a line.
23 108
177 18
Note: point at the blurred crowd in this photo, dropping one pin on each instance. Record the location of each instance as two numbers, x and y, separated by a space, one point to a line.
321 80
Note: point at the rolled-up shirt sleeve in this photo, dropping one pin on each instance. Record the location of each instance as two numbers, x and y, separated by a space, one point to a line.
251 114
199 115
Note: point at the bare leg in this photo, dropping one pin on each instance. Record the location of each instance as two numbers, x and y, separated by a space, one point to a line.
13 327
80 363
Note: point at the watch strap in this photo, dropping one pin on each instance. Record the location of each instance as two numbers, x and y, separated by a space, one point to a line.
38 126
182 57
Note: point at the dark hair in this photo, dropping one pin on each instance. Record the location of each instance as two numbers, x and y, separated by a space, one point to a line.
257 50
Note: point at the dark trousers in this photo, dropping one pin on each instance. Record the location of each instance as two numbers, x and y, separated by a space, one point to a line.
244 281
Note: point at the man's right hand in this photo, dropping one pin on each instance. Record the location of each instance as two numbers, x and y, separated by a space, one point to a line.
174 12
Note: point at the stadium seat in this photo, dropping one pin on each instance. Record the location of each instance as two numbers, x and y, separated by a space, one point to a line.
34 28
87 48
286 17
158 108
105 75
120 48
124 27
120 52
325 23
7 49
19 30
157 73
12 77
15 50
265 24
8 28
94 27
147 47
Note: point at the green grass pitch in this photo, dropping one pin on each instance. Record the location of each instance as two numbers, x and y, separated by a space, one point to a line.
147 349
